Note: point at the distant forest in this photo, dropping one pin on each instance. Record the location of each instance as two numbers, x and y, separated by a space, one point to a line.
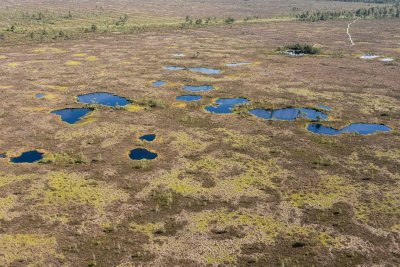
370 1
372 12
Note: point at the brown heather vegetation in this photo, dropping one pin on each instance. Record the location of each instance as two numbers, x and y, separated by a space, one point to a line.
226 190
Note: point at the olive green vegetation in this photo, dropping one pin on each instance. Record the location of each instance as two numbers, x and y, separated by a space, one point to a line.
301 48
19 25
369 1
29 248
377 12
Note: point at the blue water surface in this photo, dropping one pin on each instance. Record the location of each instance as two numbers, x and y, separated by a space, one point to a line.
226 105
40 95
105 99
360 128
174 68
71 115
28 157
148 137
188 98
289 114
159 83
237 64
205 70
200 88
142 153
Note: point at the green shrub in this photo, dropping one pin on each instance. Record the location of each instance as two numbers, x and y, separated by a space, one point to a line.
302 49
229 20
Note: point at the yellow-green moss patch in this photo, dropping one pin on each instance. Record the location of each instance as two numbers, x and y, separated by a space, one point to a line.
233 177
60 189
32 249
6 204
72 63
91 58
133 108
329 190
49 50
9 179
13 64
148 229
79 55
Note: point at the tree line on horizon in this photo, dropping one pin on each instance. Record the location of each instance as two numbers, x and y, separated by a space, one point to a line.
369 1
376 12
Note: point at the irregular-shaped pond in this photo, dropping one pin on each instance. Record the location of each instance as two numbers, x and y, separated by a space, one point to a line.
237 64
360 128
369 56
142 153
199 70
71 115
174 68
289 114
148 137
105 99
205 70
28 157
159 83
189 98
226 105
40 95
193 88
3 155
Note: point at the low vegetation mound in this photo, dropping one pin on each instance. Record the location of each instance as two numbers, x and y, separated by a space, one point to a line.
301 49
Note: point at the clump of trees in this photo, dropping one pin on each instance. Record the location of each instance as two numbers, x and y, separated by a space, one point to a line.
372 12
369 1
301 49
199 21
229 20
122 20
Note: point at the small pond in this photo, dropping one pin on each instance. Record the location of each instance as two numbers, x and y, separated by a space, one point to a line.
179 55
40 95
205 70
369 56
148 137
237 64
386 59
289 114
142 153
360 128
174 68
3 155
159 83
189 98
105 99
193 88
28 157
199 70
71 115
226 105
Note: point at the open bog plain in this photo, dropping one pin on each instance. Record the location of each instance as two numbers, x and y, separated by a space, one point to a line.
199 133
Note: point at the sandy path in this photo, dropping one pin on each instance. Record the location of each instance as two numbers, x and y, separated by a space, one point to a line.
348 30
